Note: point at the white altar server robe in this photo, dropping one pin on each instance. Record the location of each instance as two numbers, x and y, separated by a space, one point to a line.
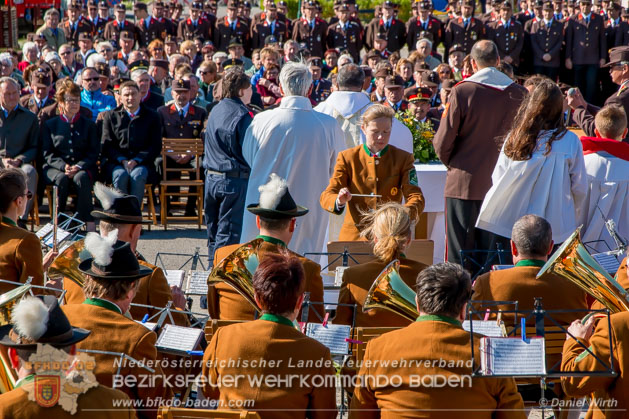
346 104
608 178
301 146
552 186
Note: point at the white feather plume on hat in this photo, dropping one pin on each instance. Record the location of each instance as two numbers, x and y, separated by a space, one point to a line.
272 192
101 248
106 195
30 318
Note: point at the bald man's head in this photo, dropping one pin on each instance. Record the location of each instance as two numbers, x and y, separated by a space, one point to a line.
485 54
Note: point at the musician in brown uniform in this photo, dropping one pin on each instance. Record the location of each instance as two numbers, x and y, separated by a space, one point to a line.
546 40
464 30
122 213
195 25
531 243
112 279
609 393
229 27
585 48
277 225
392 29
311 30
20 250
374 167
120 24
40 321
389 229
442 349
508 35
424 22
345 34
278 285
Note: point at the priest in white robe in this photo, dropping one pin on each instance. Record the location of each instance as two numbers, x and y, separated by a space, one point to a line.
301 146
347 104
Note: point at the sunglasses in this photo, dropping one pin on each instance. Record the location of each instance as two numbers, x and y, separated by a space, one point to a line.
65 53
28 195
93 79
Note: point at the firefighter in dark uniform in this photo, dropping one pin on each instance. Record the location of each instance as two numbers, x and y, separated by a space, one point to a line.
195 26
586 49
120 24
79 24
244 13
231 27
546 41
424 22
493 13
392 28
150 28
311 30
282 12
270 25
508 35
40 80
464 30
345 34
102 18
182 119
209 13
321 88
158 12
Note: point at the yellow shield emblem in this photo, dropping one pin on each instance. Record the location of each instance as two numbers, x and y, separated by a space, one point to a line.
47 389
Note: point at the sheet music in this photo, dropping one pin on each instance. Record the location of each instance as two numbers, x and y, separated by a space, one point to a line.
61 236
178 339
42 232
608 261
149 325
197 282
174 277
331 335
513 356
486 328
501 267
338 278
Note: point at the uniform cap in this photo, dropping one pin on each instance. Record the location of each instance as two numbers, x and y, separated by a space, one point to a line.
181 85
315 62
618 55
430 78
393 82
418 94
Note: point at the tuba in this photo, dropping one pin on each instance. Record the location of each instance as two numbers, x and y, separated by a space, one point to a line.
391 293
8 301
237 270
573 262
66 265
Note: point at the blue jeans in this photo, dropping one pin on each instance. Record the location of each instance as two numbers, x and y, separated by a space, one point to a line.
224 207
130 183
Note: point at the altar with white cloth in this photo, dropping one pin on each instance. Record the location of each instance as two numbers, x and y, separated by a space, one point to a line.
432 180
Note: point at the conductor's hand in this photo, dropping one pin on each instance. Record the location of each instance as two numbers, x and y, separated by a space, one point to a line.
344 196
179 299
580 330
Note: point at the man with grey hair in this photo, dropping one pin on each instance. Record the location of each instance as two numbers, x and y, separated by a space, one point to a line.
299 145
19 132
55 37
479 113
424 47
149 99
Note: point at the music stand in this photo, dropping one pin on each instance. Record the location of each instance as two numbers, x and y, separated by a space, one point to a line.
489 259
39 287
166 312
539 315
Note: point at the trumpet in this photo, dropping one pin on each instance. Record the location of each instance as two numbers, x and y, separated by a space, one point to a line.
573 262
390 292
66 265
237 270
8 301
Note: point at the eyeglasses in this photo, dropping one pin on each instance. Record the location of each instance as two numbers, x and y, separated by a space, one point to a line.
106 50
158 49
92 79
28 194
444 72
66 53
72 101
